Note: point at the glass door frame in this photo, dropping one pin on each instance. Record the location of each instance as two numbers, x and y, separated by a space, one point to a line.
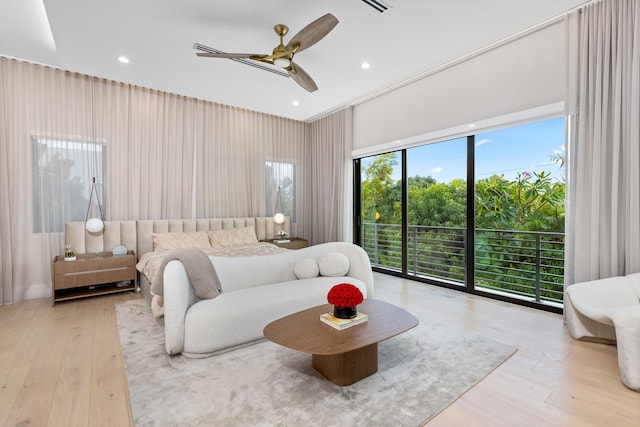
469 286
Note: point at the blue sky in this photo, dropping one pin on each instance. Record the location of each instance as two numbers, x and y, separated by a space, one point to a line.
527 147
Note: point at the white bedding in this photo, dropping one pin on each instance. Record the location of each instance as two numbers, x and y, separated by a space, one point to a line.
151 261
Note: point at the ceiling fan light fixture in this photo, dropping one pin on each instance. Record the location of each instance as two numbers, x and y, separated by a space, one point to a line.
282 62
281 56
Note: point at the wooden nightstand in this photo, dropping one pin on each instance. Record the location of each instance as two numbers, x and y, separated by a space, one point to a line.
93 274
293 242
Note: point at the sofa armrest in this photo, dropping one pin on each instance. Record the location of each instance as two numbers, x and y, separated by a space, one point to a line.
359 264
178 297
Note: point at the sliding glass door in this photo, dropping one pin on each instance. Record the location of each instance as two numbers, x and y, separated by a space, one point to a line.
503 237
381 210
519 223
437 210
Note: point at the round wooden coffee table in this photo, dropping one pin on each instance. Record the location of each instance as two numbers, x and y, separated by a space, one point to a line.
343 356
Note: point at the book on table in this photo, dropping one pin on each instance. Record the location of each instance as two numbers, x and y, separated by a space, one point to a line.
338 323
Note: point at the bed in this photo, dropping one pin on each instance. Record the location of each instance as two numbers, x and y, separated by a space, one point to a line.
154 239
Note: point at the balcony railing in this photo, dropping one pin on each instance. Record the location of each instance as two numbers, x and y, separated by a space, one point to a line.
523 264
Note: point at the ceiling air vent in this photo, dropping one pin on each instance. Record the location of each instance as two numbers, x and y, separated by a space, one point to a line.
256 64
378 5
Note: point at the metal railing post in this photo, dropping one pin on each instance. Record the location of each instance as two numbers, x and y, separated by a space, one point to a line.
415 249
375 242
538 255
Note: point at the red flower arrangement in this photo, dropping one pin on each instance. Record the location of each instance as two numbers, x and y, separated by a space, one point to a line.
345 295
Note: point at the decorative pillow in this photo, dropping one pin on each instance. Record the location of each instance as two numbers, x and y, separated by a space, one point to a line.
190 239
306 268
232 237
334 264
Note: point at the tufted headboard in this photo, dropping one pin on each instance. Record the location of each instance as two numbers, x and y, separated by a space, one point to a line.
137 234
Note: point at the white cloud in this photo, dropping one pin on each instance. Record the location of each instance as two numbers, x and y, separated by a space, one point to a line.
560 151
482 141
437 170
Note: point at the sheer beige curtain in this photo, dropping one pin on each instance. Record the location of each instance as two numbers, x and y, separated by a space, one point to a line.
151 142
329 204
6 235
603 221
232 151
163 156
53 107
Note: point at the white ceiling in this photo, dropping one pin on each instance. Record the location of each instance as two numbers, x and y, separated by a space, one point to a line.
413 37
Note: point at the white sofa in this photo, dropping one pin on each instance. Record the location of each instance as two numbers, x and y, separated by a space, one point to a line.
609 310
256 290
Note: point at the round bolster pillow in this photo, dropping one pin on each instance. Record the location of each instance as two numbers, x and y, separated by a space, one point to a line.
306 268
334 264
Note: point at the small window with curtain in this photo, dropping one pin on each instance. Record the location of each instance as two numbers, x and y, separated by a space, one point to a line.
281 188
63 172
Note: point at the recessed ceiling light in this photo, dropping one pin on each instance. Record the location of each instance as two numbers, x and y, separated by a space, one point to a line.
296 103
472 125
365 65
123 59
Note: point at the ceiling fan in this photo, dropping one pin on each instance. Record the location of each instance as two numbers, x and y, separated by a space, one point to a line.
282 55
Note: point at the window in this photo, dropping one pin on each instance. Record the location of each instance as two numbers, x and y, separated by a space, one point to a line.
63 171
503 236
281 188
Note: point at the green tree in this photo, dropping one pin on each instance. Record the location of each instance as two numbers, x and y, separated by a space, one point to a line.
376 188
438 204
532 202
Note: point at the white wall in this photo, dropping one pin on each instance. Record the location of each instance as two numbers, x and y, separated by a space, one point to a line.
522 74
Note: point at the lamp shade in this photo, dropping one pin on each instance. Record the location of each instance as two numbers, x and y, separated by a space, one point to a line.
94 225
278 218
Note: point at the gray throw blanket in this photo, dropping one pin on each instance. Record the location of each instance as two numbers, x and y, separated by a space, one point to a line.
201 272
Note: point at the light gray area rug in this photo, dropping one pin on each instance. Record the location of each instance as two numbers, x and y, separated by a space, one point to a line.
420 372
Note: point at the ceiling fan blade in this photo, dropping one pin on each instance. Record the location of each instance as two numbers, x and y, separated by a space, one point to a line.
313 33
301 77
228 55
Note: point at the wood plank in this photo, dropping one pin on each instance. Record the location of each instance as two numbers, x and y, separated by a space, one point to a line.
21 337
109 405
75 374
33 402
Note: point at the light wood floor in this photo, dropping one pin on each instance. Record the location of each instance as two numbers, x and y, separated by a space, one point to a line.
62 365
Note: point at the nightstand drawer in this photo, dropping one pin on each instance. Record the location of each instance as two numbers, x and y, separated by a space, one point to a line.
94 277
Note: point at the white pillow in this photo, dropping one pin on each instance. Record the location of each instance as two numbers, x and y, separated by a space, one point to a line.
176 240
306 268
230 237
334 264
